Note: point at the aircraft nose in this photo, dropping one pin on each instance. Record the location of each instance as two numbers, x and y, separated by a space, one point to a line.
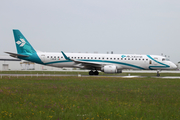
173 66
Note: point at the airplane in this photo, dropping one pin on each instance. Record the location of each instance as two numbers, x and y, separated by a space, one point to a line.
107 63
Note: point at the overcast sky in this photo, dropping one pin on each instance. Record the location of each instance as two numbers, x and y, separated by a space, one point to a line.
122 26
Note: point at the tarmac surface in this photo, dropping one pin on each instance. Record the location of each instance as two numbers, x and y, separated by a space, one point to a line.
79 75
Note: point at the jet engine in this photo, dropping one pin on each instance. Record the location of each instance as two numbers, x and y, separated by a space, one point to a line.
110 69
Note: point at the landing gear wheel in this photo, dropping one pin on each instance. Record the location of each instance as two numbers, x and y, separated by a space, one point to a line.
96 73
91 72
158 74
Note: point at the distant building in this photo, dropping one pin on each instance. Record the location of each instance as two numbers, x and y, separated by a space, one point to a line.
10 63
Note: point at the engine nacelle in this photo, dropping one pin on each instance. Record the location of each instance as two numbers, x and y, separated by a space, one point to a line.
110 69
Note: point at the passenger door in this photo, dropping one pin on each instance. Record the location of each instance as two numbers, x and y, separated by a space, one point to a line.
43 58
155 63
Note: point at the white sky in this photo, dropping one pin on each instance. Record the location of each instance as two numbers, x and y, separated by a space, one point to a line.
122 26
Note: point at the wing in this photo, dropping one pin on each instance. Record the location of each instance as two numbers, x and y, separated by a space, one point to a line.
88 64
84 63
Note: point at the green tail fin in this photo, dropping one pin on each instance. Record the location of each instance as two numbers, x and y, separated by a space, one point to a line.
22 45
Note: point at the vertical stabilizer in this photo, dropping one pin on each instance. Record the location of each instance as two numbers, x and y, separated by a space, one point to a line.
22 45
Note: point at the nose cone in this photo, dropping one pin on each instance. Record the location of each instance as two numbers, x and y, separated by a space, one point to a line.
173 66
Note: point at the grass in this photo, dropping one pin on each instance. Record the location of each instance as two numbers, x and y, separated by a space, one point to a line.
89 98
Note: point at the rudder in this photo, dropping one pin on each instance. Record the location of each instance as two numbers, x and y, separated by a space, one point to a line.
22 45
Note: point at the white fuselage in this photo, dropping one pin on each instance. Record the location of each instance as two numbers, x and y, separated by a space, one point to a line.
121 61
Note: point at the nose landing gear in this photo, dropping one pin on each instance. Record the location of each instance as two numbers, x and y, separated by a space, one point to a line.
93 72
158 73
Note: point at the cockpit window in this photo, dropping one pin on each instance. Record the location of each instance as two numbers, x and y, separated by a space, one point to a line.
165 59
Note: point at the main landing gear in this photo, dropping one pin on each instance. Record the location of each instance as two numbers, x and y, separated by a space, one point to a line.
158 73
93 72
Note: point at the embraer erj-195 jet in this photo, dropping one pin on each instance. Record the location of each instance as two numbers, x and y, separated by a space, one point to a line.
107 63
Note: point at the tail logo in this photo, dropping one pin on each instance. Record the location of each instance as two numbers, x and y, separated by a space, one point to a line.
21 42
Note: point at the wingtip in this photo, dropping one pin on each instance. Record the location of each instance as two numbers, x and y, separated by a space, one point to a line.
65 56
15 29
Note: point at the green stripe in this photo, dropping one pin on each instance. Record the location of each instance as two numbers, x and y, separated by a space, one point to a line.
63 61
114 62
164 65
100 61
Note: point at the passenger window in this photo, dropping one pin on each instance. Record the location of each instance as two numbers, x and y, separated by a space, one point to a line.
107 58
128 58
47 56
118 58
84 57
124 58
132 59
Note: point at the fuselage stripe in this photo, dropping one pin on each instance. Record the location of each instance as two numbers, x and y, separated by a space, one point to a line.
151 67
101 61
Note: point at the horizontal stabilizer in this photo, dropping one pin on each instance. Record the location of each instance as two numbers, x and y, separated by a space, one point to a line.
16 55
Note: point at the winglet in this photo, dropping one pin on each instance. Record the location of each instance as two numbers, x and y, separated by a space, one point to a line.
65 56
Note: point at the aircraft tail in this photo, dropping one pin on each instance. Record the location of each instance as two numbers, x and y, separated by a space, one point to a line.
22 45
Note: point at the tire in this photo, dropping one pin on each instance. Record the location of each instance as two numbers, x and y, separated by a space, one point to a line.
96 73
91 72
